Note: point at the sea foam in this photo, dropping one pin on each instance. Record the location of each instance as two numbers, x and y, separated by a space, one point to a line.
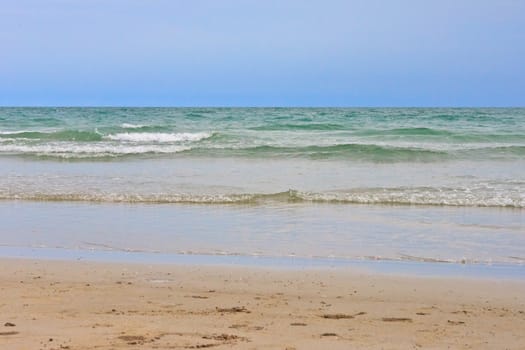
94 150
131 126
159 137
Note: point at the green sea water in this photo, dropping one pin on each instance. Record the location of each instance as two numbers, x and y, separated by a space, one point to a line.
369 135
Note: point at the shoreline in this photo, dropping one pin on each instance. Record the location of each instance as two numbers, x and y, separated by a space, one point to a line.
408 268
88 305
323 231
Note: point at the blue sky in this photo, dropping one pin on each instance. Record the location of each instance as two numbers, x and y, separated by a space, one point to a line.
262 53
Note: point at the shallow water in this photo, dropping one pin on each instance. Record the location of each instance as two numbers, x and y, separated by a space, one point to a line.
432 234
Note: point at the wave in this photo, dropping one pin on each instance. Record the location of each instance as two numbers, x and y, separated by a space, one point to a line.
8 133
351 151
501 149
435 196
126 127
131 126
159 137
88 150
417 131
415 196
444 136
308 126
395 151
171 143
89 136
60 135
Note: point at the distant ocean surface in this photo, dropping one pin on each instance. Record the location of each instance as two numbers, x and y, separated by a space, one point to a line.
278 165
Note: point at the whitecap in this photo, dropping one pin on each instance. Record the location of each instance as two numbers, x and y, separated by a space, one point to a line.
77 150
131 126
159 137
16 132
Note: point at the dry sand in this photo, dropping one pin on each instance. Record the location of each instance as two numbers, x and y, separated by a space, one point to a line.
87 305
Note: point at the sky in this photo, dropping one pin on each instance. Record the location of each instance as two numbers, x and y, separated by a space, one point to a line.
262 53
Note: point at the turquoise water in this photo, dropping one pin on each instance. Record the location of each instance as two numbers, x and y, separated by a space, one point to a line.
448 184
460 157
368 135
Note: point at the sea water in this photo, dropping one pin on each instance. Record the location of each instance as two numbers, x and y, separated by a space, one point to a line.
352 183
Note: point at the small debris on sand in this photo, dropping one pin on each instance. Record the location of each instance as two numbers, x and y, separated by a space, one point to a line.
396 319
233 309
329 335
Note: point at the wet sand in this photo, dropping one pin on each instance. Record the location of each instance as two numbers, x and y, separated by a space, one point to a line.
92 305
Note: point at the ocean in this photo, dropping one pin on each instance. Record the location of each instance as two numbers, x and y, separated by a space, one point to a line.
425 184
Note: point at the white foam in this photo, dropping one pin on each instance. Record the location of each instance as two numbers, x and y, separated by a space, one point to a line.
131 126
478 196
18 132
400 196
159 137
78 150
431 146
15 132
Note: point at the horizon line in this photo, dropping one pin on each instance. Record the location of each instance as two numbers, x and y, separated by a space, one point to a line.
253 106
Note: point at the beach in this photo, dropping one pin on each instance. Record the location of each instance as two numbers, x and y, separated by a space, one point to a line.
262 228
262 175
97 305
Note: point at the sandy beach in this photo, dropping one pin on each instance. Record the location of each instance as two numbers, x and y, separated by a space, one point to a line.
288 175
93 305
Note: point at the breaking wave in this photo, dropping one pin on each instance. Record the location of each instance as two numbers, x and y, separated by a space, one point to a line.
425 196
91 150
159 137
